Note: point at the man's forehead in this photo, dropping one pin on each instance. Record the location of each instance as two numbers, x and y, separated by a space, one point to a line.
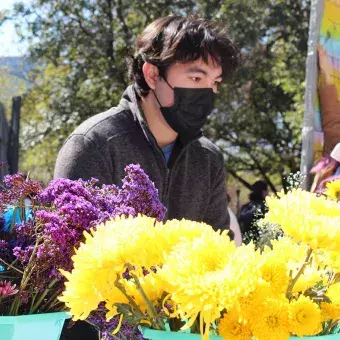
200 66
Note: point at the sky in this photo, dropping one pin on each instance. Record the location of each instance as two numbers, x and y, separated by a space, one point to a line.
9 41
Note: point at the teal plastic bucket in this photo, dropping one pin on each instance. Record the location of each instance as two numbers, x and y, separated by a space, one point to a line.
322 337
32 327
152 334
165 335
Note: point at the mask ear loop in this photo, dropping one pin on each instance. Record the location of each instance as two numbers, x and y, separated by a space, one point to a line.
160 105
168 83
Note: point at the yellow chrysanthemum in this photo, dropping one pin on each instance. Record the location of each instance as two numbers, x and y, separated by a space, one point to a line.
329 260
307 218
231 328
102 258
331 311
304 317
310 277
86 288
273 269
120 241
205 276
174 231
333 190
250 303
272 319
151 287
293 253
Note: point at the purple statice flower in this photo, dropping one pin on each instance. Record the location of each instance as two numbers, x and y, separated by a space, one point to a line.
23 254
140 193
76 210
60 186
24 297
14 181
6 198
62 235
24 232
3 246
18 187
107 327
59 239
30 188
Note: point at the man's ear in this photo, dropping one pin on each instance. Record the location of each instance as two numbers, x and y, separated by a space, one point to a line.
151 74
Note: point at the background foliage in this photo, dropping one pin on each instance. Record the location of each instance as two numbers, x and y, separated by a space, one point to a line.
80 46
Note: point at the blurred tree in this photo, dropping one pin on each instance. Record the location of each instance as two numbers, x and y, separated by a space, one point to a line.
81 46
259 117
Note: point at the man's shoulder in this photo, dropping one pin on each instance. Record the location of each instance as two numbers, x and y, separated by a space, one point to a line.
207 146
106 125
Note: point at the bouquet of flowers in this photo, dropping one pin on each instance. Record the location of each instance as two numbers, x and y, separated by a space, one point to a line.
40 237
182 276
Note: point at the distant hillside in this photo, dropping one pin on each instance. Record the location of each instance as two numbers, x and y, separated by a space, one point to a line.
16 66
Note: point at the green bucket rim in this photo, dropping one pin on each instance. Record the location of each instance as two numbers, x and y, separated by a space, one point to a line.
33 317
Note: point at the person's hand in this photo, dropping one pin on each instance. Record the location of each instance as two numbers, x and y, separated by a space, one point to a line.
324 65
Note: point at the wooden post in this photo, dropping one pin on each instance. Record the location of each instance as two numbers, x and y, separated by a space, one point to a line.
13 145
308 129
3 143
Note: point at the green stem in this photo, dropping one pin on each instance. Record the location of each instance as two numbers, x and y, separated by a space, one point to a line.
131 301
11 266
151 309
51 301
300 272
42 297
32 302
24 281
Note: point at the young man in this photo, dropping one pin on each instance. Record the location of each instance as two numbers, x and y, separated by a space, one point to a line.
177 68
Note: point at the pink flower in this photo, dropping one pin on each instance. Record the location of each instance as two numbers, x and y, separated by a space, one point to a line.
325 164
6 289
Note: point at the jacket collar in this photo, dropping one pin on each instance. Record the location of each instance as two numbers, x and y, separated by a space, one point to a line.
130 102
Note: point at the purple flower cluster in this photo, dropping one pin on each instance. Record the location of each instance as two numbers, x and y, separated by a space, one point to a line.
67 208
126 331
3 245
17 187
138 194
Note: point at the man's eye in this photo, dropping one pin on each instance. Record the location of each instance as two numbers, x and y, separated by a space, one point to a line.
216 83
196 79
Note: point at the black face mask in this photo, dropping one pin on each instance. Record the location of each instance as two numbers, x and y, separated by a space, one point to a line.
190 111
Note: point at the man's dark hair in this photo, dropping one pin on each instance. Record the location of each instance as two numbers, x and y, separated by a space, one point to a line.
259 186
173 39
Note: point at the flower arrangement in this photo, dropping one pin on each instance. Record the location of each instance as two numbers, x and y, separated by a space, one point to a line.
38 239
184 276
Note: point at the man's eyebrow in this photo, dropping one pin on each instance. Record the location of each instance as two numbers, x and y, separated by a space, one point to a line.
196 69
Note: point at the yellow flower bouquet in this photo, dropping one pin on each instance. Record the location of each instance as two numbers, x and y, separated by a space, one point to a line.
184 277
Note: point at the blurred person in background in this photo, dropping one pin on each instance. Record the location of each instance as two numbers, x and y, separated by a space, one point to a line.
253 211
